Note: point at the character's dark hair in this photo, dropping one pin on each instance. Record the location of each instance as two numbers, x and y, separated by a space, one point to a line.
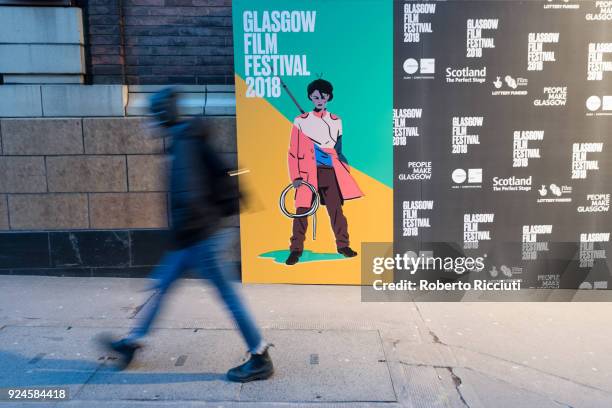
322 86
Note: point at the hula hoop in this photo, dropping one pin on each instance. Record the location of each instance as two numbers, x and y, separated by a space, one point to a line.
316 202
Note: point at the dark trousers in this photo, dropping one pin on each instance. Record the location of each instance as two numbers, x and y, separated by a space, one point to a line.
205 257
329 191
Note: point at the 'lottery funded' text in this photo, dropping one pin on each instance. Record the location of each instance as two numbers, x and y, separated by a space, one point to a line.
263 65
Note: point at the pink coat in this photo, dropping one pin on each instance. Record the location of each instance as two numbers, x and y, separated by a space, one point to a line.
301 157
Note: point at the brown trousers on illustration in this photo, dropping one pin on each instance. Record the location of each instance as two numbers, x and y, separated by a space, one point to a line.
329 191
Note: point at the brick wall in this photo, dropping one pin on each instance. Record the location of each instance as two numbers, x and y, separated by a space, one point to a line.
160 41
87 196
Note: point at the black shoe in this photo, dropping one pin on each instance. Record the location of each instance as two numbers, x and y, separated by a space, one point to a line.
258 367
293 258
347 252
124 348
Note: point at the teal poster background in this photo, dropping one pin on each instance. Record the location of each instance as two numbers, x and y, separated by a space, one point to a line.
363 81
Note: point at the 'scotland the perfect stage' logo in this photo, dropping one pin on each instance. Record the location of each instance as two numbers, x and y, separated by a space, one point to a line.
466 75
512 184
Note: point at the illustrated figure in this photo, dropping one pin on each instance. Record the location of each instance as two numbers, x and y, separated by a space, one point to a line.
201 195
315 156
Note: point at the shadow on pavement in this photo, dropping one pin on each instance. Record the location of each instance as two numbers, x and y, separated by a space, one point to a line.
18 371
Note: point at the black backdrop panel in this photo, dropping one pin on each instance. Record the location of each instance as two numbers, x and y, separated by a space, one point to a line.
503 116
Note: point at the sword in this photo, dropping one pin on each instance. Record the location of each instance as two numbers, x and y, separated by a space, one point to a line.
291 95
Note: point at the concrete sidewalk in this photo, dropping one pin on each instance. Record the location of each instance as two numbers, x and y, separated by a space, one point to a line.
331 349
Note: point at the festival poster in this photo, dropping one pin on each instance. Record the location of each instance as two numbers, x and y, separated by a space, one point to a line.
314 99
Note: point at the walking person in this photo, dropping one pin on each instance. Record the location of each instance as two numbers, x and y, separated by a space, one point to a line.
201 194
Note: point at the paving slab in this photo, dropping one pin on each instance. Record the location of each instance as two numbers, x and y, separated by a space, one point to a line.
570 340
479 391
566 391
325 365
47 357
310 366
41 298
301 307
224 404
173 365
427 388
194 303
425 354
401 353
